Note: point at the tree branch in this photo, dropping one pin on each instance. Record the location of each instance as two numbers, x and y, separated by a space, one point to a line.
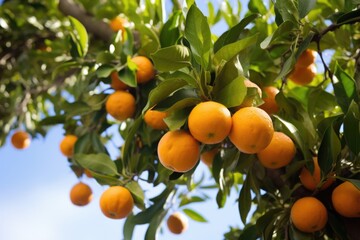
92 25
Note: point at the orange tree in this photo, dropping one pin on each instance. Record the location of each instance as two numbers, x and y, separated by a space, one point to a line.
58 60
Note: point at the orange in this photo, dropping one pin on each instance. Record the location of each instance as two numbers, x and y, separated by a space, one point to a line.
252 130
117 24
177 223
346 200
248 101
210 122
67 145
155 119
116 202
80 194
303 75
306 58
20 140
178 151
308 214
145 70
116 83
121 105
270 106
208 156
278 153
312 180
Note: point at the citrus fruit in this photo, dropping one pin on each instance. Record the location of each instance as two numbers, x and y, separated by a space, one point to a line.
252 130
81 194
116 202
270 106
67 145
177 223
145 70
178 151
117 24
346 200
207 157
312 180
20 140
306 58
303 75
116 83
308 214
248 101
155 119
121 105
278 153
210 122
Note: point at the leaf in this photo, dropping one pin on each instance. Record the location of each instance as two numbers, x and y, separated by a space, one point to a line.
352 128
249 233
257 6
53 120
193 199
171 58
154 225
105 57
180 99
349 17
177 119
76 109
287 10
194 215
221 198
137 193
305 6
197 32
170 32
299 235
180 75
329 150
104 71
98 163
244 202
128 228
81 36
281 33
267 220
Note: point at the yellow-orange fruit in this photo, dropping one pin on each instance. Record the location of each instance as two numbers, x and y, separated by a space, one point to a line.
20 140
178 151
278 153
306 58
303 75
116 83
308 214
145 70
312 180
248 101
210 122
346 200
67 145
116 202
117 24
270 105
121 105
208 156
177 223
252 130
81 194
155 119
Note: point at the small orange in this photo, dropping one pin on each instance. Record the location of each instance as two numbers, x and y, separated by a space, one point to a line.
116 83
346 200
121 105
177 223
178 151
303 75
155 119
270 105
311 181
278 153
210 122
252 130
145 70
116 202
306 58
308 214
20 140
117 24
67 145
81 194
248 101
208 156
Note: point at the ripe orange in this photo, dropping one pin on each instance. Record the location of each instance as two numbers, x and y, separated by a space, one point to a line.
252 130
278 153
145 69
308 214
20 140
210 122
303 75
117 24
67 145
155 119
306 58
270 106
311 181
248 101
208 156
178 151
121 105
116 202
81 194
346 200
116 83
177 223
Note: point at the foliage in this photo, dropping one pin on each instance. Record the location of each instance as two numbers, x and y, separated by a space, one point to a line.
54 69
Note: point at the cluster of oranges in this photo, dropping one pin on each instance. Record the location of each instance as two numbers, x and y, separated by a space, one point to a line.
305 69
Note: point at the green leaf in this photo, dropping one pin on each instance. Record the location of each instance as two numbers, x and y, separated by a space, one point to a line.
76 109
197 32
128 228
53 120
194 215
281 33
104 71
352 128
267 220
180 99
221 198
170 32
257 6
154 226
244 202
305 6
249 233
193 199
180 75
81 36
233 93
128 76
329 150
137 193
171 58
349 17
287 10
99 163
177 119
105 57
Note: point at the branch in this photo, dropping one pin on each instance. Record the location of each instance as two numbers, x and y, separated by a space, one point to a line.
92 25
